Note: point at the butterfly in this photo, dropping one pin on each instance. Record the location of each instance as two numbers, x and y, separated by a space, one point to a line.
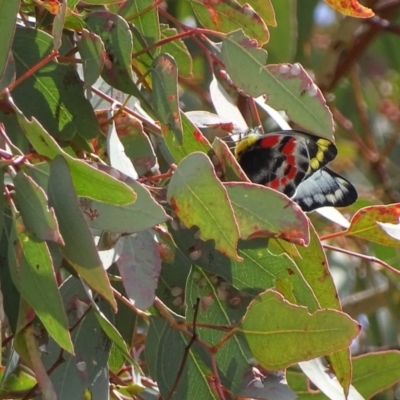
293 162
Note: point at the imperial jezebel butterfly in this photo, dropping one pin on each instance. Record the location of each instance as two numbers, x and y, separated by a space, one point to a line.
293 162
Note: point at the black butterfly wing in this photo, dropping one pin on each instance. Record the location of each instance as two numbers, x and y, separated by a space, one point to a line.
324 188
275 160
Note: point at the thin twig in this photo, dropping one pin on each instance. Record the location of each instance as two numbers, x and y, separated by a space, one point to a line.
186 353
363 257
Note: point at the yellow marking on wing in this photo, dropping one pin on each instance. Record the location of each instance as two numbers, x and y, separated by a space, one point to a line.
245 143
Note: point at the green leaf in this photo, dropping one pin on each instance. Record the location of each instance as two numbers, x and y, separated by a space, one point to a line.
112 333
33 275
220 305
282 44
198 198
264 9
31 201
165 94
56 96
273 326
259 270
139 216
8 11
144 16
367 224
117 38
313 264
79 249
287 87
228 16
263 212
178 50
88 181
375 372
168 348
193 141
93 54
9 73
85 374
18 382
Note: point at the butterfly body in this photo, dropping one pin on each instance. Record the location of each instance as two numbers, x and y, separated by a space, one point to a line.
293 162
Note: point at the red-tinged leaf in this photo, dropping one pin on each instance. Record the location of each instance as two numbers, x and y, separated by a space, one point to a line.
287 87
272 327
165 94
264 212
351 7
227 16
367 224
263 8
198 198
193 141
373 373
227 163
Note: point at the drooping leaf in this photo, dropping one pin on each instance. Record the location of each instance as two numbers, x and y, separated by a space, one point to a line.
272 327
198 198
165 94
33 275
8 12
79 249
139 265
93 54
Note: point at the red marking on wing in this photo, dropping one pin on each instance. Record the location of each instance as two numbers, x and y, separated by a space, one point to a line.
289 148
290 171
270 141
275 183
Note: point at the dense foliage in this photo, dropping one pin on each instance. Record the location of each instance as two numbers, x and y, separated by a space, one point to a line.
137 260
